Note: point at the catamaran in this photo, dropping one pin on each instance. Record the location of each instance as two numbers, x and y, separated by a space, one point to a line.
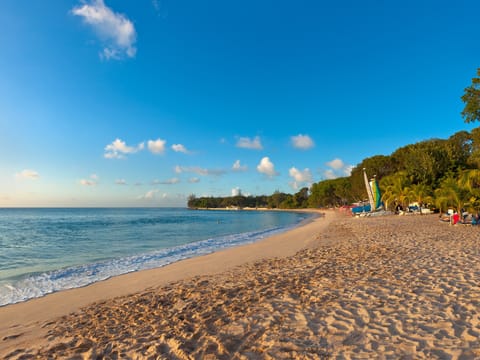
375 204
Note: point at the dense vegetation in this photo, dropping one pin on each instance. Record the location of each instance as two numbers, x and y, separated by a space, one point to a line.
277 200
439 173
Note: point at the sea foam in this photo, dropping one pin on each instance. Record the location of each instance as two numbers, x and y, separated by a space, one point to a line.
40 284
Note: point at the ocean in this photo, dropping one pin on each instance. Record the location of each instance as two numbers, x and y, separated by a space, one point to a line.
48 250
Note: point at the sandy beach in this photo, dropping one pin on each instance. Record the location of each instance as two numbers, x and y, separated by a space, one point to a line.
338 287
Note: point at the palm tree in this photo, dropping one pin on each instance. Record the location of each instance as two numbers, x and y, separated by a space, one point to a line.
420 193
451 193
395 189
470 181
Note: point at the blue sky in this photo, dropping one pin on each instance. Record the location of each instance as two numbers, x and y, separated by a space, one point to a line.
141 103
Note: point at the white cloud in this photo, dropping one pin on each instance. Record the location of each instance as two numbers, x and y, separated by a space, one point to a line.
337 169
156 146
329 174
171 181
300 177
92 181
238 167
180 148
118 148
347 170
86 182
266 167
27 174
236 191
336 164
198 170
194 180
303 142
149 195
120 182
247 143
115 30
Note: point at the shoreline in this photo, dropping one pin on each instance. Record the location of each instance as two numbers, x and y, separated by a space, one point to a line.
340 287
73 273
21 324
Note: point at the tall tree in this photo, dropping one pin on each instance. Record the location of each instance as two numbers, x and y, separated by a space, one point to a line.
471 98
395 190
474 159
459 149
420 193
451 193
424 162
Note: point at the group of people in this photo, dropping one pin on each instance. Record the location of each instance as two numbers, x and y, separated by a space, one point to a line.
466 218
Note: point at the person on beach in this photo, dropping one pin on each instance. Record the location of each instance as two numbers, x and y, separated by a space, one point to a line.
475 218
455 218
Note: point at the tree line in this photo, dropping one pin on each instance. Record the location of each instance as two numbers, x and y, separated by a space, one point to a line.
440 173
278 200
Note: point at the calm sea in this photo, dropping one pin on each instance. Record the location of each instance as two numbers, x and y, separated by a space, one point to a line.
48 250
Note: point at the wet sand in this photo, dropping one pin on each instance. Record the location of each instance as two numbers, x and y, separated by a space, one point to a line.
344 288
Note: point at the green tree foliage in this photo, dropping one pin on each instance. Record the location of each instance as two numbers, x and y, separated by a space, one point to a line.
441 171
423 162
300 199
451 193
474 158
379 166
471 98
459 148
330 193
322 194
395 189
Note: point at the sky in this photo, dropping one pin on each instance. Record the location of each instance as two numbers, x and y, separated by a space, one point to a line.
145 102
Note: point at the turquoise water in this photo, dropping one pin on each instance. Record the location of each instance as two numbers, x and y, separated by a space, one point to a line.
48 250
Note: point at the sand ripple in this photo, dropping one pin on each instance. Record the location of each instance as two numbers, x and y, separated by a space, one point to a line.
373 288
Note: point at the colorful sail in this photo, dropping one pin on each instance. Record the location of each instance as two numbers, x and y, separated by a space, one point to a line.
374 199
369 191
376 195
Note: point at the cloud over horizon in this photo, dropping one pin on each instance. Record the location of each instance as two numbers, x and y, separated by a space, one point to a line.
238 167
300 177
92 181
115 30
27 174
337 169
171 181
266 167
149 195
198 170
118 149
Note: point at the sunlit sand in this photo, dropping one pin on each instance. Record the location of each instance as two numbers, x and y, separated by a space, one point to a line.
385 287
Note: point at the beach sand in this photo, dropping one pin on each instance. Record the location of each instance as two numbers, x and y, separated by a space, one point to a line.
345 288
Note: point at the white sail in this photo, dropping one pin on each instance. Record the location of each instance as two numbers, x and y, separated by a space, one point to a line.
369 191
